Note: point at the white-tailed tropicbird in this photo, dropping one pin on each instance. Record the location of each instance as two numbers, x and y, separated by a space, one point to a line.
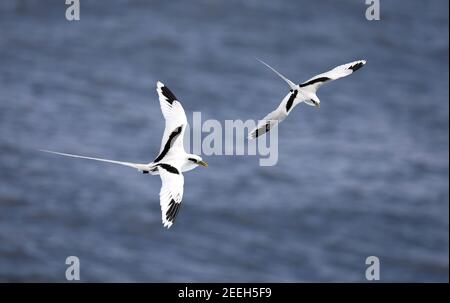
304 92
172 159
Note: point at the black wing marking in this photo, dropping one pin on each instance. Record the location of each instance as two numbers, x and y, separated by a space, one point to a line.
169 168
172 137
263 129
170 97
172 211
356 66
290 102
313 81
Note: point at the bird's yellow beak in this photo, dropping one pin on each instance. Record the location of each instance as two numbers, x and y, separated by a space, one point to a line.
202 163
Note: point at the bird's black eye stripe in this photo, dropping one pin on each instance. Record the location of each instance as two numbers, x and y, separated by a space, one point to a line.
193 160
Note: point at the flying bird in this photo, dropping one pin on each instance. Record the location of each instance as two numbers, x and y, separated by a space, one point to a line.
172 159
304 92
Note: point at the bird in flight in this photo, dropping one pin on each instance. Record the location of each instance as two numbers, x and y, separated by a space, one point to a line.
304 92
172 160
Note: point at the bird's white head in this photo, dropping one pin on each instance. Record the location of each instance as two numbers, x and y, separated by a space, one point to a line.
313 101
196 160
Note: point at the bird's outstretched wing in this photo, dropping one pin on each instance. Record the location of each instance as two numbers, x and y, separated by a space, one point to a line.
264 126
171 193
338 72
138 166
173 112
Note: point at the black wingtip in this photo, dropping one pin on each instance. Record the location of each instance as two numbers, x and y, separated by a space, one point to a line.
173 210
356 66
170 97
261 130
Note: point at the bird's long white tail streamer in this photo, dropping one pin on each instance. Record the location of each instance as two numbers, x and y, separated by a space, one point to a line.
134 165
289 82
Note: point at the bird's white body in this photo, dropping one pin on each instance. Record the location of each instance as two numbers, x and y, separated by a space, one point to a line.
172 159
303 92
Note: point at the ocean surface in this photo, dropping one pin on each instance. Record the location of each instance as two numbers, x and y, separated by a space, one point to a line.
366 175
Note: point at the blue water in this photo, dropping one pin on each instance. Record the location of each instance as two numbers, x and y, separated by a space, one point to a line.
365 175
